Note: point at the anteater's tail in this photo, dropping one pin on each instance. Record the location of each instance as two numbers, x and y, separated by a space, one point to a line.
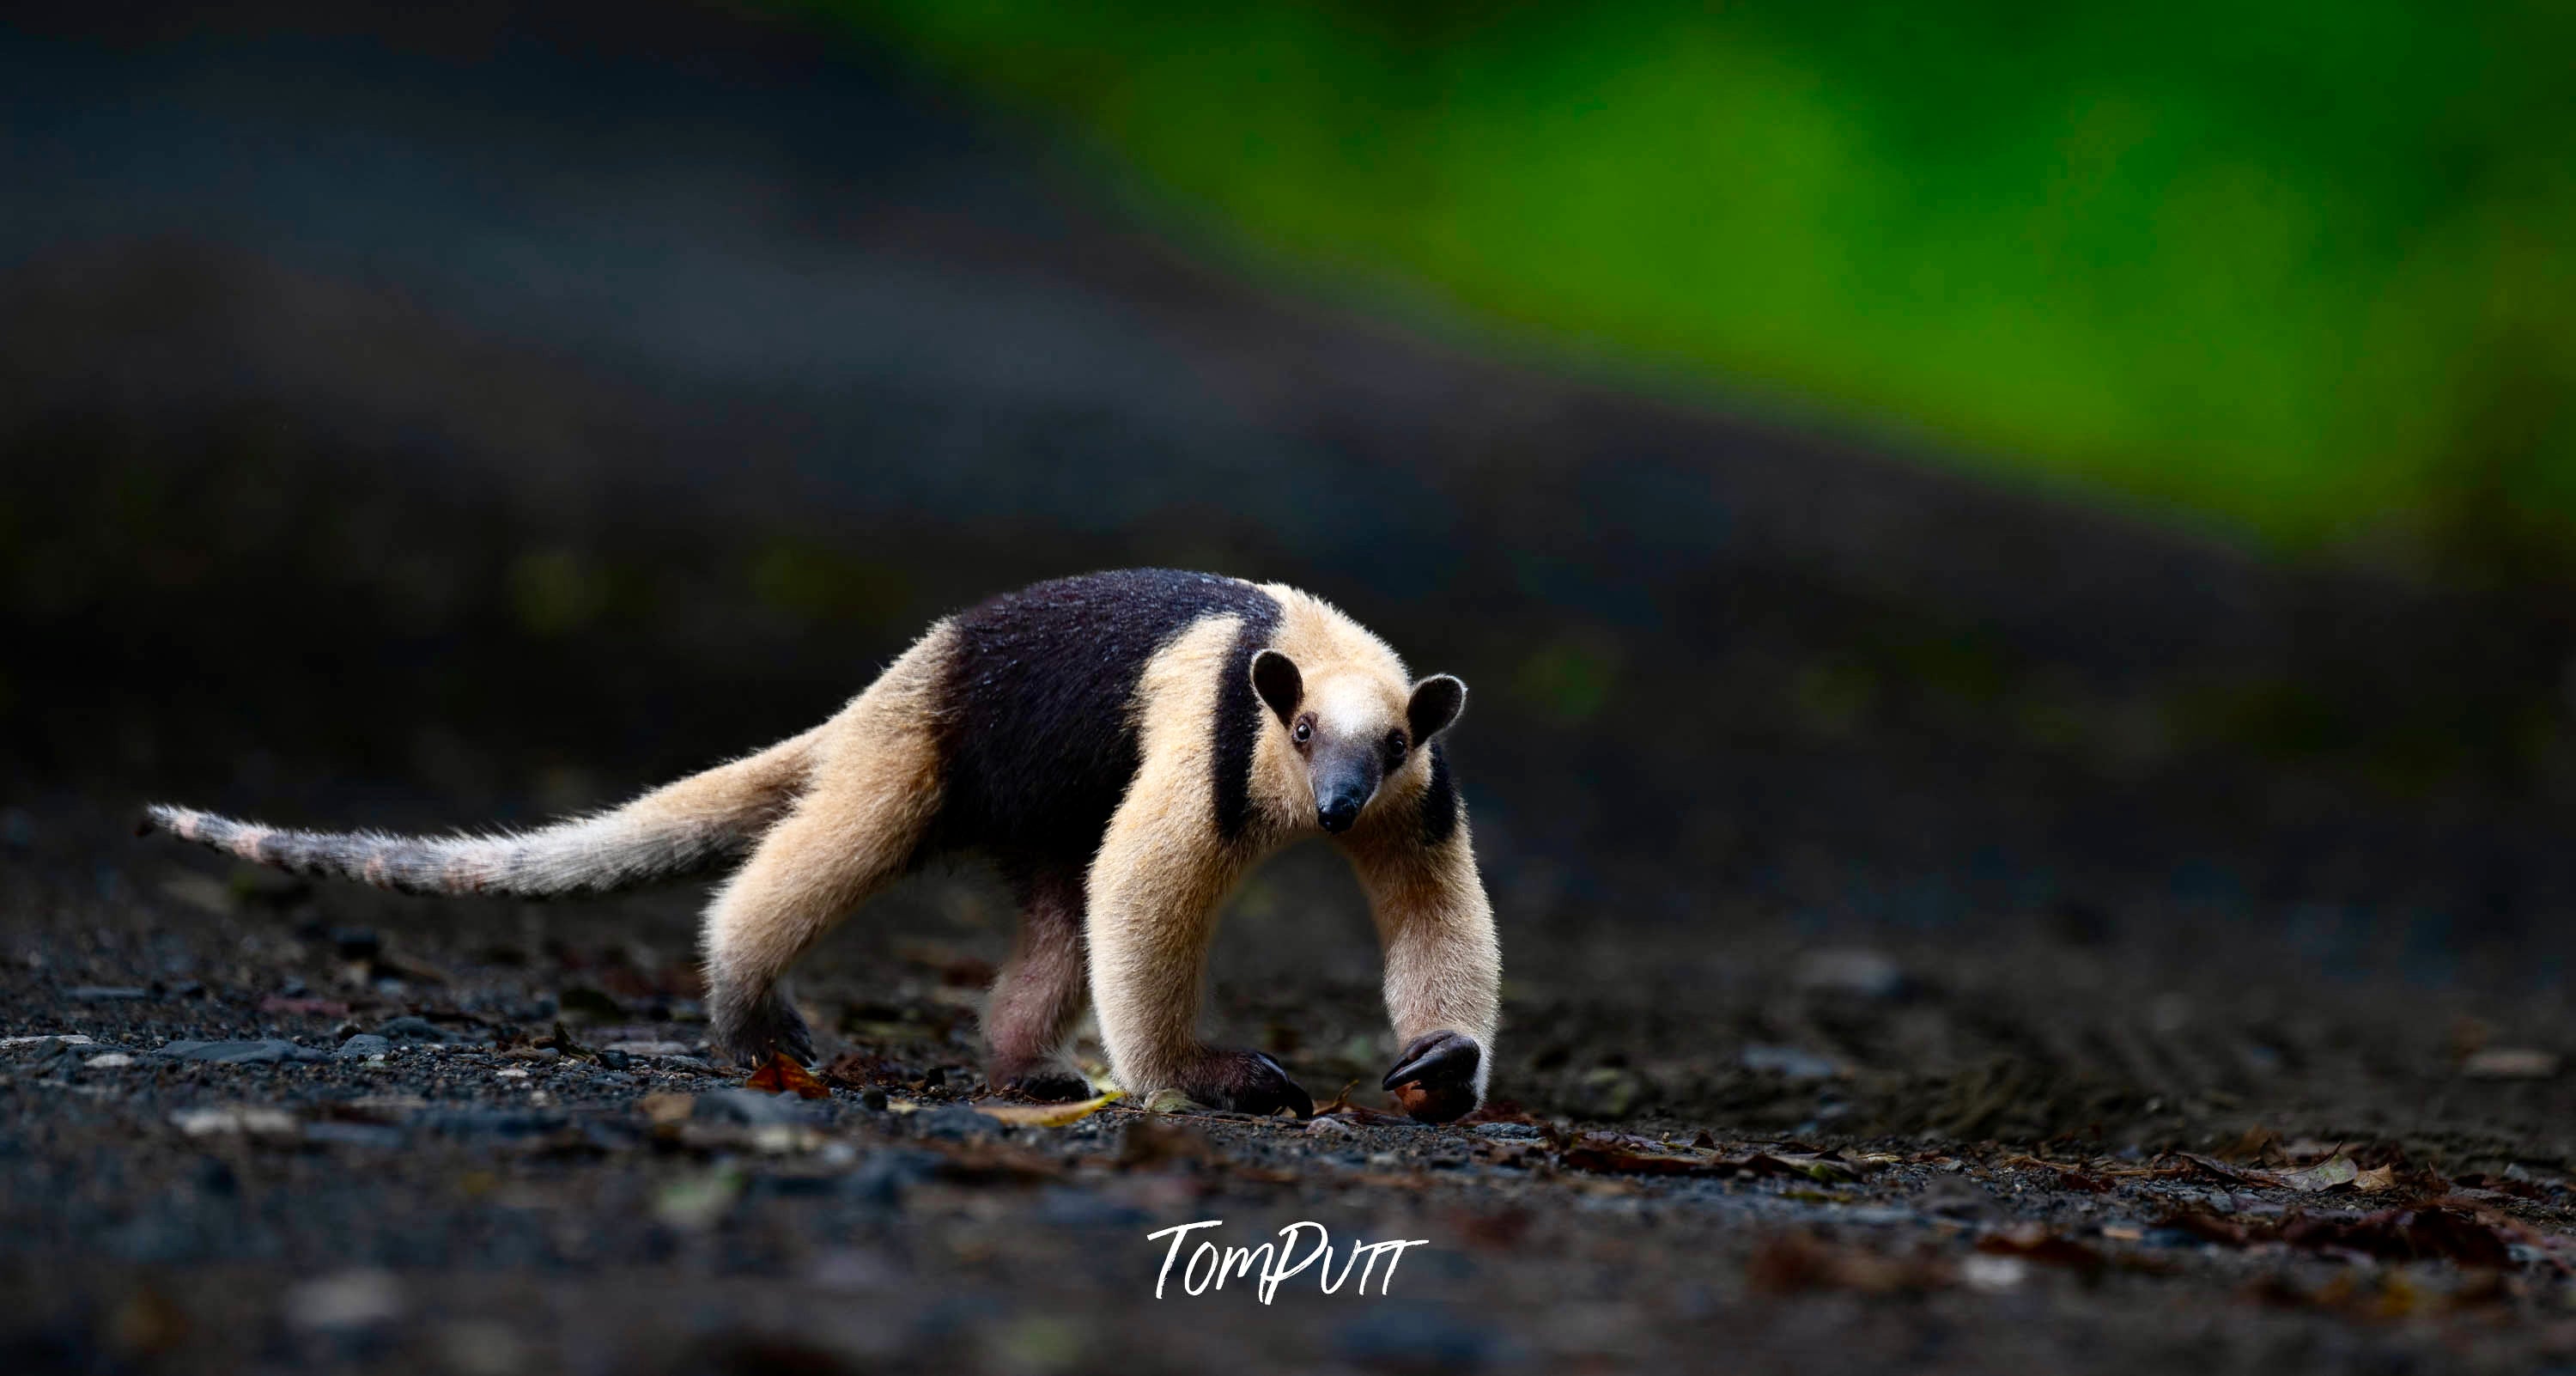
672 831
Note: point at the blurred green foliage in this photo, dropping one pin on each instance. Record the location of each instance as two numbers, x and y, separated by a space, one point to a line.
2304 271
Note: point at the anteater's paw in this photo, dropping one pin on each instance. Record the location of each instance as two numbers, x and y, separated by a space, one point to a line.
766 1027
1048 1082
1245 1082
1435 1078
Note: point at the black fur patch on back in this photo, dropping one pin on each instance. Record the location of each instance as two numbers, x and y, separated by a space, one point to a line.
1439 800
1037 743
1240 718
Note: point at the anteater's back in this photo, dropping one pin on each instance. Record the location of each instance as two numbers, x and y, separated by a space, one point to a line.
1038 738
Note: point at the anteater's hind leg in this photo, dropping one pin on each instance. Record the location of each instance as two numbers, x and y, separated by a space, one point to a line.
1041 993
858 827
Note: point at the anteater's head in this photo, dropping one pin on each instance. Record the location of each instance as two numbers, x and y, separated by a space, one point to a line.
1354 726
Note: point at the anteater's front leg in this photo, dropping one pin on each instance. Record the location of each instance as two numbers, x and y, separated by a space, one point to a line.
1153 896
1444 967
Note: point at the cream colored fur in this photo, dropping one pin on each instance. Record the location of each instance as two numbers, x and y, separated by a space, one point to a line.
1161 870
872 792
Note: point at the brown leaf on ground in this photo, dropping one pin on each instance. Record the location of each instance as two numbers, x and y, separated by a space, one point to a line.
2036 1243
782 1075
2071 1177
1342 1107
1825 1168
2335 1172
2261 1146
1794 1262
2220 1170
1619 1153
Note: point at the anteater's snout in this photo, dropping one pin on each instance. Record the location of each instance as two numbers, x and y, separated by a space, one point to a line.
1338 812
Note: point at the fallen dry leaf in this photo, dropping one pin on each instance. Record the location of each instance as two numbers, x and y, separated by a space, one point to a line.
782 1075
1824 1168
1046 1115
2220 1170
2262 1146
2073 1177
1342 1107
2333 1172
1620 1153
2376 1179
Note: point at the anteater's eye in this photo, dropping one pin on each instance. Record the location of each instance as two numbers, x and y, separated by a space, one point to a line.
1305 731
1395 745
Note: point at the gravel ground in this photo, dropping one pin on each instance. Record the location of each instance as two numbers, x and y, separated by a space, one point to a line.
246 1124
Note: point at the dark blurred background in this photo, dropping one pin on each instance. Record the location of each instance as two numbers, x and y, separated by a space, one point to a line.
1999 470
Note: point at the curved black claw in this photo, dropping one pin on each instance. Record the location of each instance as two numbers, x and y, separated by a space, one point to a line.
769 1026
1434 1079
1246 1082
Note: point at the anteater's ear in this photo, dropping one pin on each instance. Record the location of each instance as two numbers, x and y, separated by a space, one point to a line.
1275 677
1436 703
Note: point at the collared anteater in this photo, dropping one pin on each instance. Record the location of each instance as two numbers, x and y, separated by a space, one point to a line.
1125 746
